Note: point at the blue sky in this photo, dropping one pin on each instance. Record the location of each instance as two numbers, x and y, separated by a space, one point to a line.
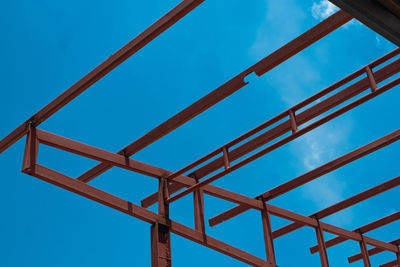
48 45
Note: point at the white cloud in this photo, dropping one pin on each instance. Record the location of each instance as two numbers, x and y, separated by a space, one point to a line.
317 148
383 44
323 9
278 16
295 84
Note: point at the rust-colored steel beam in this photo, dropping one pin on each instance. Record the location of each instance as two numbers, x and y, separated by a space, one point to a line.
364 253
161 234
394 263
314 174
36 136
95 194
198 204
289 112
371 252
304 220
343 205
160 245
321 244
282 54
267 230
307 221
284 127
31 150
94 153
363 229
101 70
131 209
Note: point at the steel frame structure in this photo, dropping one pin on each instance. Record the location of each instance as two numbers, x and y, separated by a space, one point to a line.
331 102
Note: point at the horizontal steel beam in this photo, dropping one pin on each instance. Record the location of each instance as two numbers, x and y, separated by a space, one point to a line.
343 205
143 214
284 127
292 48
36 136
314 174
363 229
101 70
100 196
394 263
371 252
94 153
289 111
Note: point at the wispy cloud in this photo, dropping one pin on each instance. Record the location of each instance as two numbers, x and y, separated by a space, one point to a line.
384 44
323 9
294 83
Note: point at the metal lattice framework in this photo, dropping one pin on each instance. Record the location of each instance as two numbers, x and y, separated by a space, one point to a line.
331 102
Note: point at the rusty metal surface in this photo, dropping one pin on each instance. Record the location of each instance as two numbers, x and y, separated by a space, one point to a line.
297 121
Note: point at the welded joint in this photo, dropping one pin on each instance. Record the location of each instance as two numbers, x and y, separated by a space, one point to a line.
164 227
163 194
29 123
192 175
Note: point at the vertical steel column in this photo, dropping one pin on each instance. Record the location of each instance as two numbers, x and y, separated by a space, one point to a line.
269 241
321 244
160 233
31 150
398 253
364 251
198 203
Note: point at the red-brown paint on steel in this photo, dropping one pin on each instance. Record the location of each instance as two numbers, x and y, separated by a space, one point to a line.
101 70
279 143
292 48
131 209
285 126
371 252
267 230
352 201
364 253
364 229
314 174
321 244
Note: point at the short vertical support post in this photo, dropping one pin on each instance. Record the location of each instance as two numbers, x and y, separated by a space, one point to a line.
371 79
31 150
268 239
198 201
160 233
364 251
226 157
293 121
321 244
